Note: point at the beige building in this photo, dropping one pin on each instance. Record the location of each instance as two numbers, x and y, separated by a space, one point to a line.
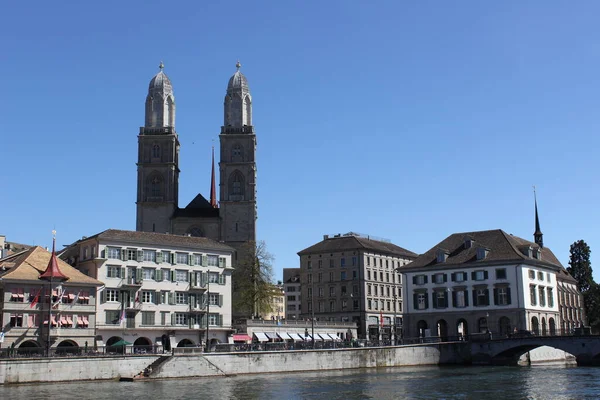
353 278
570 303
37 287
160 291
277 304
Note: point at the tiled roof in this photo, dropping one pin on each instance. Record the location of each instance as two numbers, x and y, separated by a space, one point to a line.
501 246
162 239
351 242
30 264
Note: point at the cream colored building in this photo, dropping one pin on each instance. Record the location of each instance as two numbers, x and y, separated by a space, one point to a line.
277 304
27 306
170 289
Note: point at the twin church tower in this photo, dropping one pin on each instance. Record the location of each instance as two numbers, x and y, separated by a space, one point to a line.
233 218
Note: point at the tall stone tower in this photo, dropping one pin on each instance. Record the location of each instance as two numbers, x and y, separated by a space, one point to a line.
237 166
158 159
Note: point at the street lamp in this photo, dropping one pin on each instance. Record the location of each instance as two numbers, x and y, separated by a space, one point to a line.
312 309
394 333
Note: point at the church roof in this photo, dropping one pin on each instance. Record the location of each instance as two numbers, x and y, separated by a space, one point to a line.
199 202
199 207
238 81
352 242
30 264
500 246
160 82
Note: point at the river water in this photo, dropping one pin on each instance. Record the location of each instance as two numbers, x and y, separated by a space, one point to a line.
537 382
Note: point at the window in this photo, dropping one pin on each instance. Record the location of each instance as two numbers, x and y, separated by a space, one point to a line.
532 295
131 254
459 299
332 306
354 274
113 252
550 298
181 276
420 279
309 277
16 320
459 276
147 296
343 290
331 263
368 275
531 274
479 275
85 253
18 295
148 317
181 298
354 261
213 319
344 305
310 292
381 276
369 290
213 299
421 301
440 299
291 307
343 275
112 295
439 278
548 278
213 261
112 317
148 273
320 291
502 296
540 276
331 277
181 319
291 298
355 290
355 305
376 289
113 271
182 258
150 255
155 151
542 292
331 291
320 276
481 297
320 263
343 262
166 256
309 264
369 261
501 273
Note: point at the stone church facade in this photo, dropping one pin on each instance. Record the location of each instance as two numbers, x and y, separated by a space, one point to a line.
232 219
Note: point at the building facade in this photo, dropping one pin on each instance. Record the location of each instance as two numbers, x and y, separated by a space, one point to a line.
293 295
233 218
481 282
160 291
570 303
277 304
29 300
353 278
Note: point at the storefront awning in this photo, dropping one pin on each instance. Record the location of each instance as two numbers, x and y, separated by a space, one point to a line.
334 337
296 337
261 337
285 336
272 335
241 337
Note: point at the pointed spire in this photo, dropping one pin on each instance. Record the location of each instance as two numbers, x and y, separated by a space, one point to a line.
538 236
52 271
213 185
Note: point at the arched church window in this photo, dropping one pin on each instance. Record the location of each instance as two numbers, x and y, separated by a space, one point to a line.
236 186
155 151
155 186
196 231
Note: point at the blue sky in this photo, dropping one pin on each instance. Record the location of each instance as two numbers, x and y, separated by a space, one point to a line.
404 120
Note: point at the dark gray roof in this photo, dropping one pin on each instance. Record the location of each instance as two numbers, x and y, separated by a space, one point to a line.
501 246
163 239
347 243
199 207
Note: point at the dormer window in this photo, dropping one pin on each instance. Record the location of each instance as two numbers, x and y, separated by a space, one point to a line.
482 253
537 253
468 242
442 256
527 251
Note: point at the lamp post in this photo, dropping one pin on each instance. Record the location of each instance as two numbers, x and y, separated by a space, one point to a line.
207 312
312 309
394 338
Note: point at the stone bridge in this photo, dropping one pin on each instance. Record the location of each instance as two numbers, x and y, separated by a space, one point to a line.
586 349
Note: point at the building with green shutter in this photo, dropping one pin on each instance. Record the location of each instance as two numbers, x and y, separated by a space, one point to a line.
160 291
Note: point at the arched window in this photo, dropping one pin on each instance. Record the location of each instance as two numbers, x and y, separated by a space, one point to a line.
236 186
196 231
482 325
154 187
535 326
155 151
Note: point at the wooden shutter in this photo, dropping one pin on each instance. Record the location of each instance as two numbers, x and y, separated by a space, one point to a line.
466 295
159 257
172 275
452 277
190 259
507 295
475 297
465 276
220 320
487 297
473 275
221 279
123 273
104 253
453 298
415 300
204 278
425 278
172 258
222 262
171 298
123 254
495 296
426 300
173 319
140 256
445 299
103 296
445 278
204 260
157 297
485 274
414 279
433 302
220 300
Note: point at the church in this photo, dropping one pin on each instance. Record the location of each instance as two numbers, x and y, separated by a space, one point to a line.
231 219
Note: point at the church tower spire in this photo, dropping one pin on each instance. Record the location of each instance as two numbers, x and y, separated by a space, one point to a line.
538 236
213 185
158 159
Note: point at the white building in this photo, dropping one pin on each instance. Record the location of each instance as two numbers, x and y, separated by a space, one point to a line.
482 281
160 290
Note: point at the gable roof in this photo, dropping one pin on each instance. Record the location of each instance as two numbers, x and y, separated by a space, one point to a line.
352 242
198 207
501 246
161 239
30 264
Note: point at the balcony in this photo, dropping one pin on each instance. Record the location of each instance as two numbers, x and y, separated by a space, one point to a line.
198 309
135 307
131 282
197 287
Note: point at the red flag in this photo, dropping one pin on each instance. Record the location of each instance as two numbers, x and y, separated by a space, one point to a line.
35 299
137 297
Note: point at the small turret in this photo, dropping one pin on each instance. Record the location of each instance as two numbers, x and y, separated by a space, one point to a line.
160 102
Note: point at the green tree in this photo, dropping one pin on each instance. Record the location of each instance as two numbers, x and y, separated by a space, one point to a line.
591 303
580 267
253 288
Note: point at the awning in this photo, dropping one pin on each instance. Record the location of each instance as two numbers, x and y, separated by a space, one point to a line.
285 336
296 337
261 337
79 321
272 335
317 337
331 336
239 337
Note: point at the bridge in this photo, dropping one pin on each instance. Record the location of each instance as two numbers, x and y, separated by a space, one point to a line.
507 351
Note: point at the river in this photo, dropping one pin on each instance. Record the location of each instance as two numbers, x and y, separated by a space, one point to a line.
537 382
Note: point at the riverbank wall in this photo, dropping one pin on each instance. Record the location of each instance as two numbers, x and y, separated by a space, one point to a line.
228 364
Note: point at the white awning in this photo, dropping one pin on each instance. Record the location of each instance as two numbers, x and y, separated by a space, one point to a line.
323 336
261 337
317 337
271 335
296 337
333 336
285 336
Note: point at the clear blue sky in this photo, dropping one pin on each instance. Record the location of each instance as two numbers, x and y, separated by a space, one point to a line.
405 120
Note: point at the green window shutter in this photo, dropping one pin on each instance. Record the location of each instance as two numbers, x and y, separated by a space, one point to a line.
104 253
415 300
157 297
453 298
204 278
508 295
466 298
445 278
221 279
445 299
465 276
473 275
220 320
452 277
139 275
485 274
172 276
171 298
414 280
140 256
426 301
122 273
103 297
425 278
220 300
191 278
172 258
475 298
173 319
222 262
190 259
487 297
204 260
433 302
158 275
159 257
123 255
495 296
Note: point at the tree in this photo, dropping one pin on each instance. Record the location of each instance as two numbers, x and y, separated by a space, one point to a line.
580 267
253 288
591 303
